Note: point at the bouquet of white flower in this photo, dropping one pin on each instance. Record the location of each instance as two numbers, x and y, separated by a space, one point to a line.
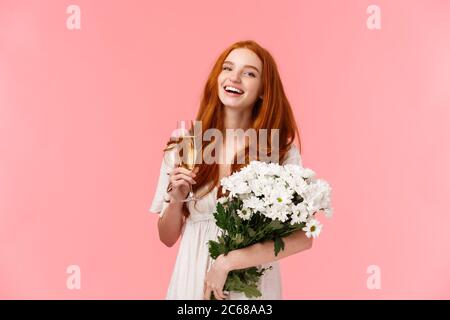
266 201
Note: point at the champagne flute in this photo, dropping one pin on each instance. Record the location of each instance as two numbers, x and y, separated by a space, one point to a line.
189 149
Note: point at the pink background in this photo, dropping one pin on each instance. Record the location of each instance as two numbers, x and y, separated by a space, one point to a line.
84 115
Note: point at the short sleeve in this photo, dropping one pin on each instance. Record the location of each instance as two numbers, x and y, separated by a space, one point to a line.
293 156
158 203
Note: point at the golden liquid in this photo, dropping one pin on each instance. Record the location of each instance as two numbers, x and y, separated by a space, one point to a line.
189 152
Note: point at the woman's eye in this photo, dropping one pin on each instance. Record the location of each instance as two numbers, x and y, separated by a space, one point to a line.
226 68
251 74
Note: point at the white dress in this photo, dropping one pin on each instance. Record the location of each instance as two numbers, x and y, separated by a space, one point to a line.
193 260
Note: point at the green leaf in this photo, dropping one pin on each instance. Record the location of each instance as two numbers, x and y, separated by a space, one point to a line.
251 291
214 249
235 283
217 248
221 217
278 244
276 224
238 239
251 232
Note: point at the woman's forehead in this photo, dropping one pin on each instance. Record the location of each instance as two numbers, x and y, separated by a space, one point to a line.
244 56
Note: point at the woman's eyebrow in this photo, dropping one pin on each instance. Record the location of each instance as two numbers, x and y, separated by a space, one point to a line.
247 65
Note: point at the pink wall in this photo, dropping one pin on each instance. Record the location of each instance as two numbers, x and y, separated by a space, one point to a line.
85 113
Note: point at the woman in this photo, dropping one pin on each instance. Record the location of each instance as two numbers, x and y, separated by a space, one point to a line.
243 91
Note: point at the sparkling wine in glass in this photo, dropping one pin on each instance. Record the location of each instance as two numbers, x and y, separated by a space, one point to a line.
188 150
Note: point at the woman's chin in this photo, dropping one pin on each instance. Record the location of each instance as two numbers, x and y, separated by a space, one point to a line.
233 104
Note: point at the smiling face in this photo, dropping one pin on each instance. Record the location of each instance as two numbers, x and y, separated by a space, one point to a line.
240 83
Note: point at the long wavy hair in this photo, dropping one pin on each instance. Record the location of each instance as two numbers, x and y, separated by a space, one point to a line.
273 111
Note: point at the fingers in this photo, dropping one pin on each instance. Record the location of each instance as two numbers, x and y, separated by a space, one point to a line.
184 171
207 295
184 177
219 294
177 184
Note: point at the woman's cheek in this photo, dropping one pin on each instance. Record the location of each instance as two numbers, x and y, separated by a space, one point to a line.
252 92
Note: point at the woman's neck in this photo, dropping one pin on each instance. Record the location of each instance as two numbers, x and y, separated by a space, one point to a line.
234 120
237 119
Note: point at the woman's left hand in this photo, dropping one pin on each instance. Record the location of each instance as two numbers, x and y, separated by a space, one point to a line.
215 279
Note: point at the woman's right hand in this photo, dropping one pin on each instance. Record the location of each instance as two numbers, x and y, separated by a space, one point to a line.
181 180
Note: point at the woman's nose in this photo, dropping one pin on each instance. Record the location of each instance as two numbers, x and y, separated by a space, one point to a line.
235 77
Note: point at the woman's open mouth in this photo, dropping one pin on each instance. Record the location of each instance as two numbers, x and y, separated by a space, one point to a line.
233 91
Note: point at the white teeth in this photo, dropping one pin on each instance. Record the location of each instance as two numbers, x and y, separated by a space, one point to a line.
233 89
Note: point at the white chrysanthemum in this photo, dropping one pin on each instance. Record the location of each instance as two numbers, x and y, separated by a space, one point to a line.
258 186
299 215
222 200
245 196
287 177
300 185
227 183
235 184
307 173
279 195
304 216
300 212
312 228
297 180
271 213
249 175
254 203
268 189
317 195
259 167
294 170
244 214
242 188
278 211
295 219
274 169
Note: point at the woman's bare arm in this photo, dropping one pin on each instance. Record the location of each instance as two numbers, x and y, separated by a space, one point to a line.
263 252
171 223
